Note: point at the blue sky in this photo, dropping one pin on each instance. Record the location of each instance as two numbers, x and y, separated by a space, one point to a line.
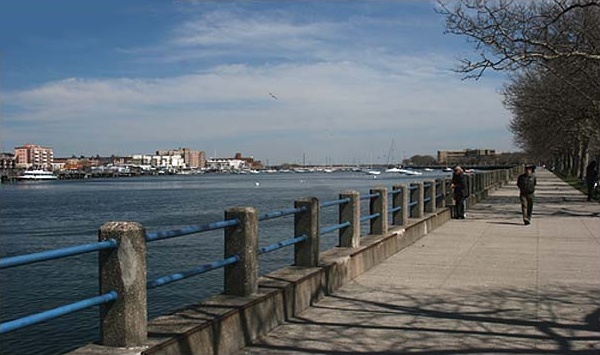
133 77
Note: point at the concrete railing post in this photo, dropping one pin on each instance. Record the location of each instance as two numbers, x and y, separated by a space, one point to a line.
400 199
416 200
241 278
429 196
448 187
307 223
441 192
379 205
350 212
471 189
123 323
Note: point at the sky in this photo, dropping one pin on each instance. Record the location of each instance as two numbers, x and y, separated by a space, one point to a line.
321 82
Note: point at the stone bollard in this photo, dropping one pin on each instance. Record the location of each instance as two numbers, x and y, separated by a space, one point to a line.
429 196
400 199
449 198
123 323
416 200
350 212
440 192
241 278
379 204
306 253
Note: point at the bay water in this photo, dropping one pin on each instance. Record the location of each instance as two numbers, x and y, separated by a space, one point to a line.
40 216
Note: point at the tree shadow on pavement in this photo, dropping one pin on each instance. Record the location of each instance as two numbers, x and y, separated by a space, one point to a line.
359 320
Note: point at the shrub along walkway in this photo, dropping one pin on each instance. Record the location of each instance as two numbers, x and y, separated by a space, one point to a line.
486 284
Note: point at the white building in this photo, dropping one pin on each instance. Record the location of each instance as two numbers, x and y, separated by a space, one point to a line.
224 164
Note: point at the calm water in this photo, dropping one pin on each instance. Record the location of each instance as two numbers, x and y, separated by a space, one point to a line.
49 215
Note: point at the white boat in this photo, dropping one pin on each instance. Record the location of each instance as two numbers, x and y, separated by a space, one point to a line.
410 172
373 172
37 175
393 170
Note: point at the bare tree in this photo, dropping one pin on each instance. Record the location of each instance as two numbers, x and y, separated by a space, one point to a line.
551 51
511 35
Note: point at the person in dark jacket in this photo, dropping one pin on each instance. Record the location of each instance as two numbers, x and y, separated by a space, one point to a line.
526 183
591 176
460 192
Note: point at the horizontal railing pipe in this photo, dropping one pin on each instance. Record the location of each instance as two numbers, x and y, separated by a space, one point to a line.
335 227
57 312
164 280
369 196
173 233
276 246
335 202
369 217
56 254
277 214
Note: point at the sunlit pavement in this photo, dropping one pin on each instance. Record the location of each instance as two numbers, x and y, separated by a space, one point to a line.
484 285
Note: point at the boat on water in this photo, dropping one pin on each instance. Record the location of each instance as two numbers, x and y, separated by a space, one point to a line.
37 175
373 172
410 172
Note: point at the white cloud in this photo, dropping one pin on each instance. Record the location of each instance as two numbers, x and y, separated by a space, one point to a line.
333 101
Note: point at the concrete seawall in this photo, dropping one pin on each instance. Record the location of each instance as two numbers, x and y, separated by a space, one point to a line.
224 324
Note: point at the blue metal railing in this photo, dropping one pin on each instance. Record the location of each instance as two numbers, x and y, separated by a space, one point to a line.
369 196
173 233
111 296
57 312
164 280
335 202
369 217
111 244
56 254
281 213
275 246
334 227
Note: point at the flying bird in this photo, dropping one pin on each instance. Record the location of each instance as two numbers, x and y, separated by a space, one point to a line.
273 96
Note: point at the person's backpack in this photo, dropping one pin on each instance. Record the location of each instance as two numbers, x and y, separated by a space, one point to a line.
528 184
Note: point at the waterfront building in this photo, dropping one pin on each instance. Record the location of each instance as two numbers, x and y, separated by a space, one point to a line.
34 156
249 161
450 157
194 158
225 164
7 161
191 158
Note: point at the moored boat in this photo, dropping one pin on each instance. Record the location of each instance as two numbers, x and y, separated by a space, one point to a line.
37 175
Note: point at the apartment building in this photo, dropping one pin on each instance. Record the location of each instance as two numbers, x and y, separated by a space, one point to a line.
450 157
34 156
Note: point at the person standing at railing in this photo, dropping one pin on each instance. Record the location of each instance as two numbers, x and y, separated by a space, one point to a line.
591 176
526 183
460 192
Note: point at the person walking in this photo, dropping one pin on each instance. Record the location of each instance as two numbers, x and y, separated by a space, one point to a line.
591 176
460 192
526 183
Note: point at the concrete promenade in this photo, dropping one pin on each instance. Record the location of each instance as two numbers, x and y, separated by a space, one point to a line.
484 285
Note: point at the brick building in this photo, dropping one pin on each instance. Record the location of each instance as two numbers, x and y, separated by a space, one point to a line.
34 156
